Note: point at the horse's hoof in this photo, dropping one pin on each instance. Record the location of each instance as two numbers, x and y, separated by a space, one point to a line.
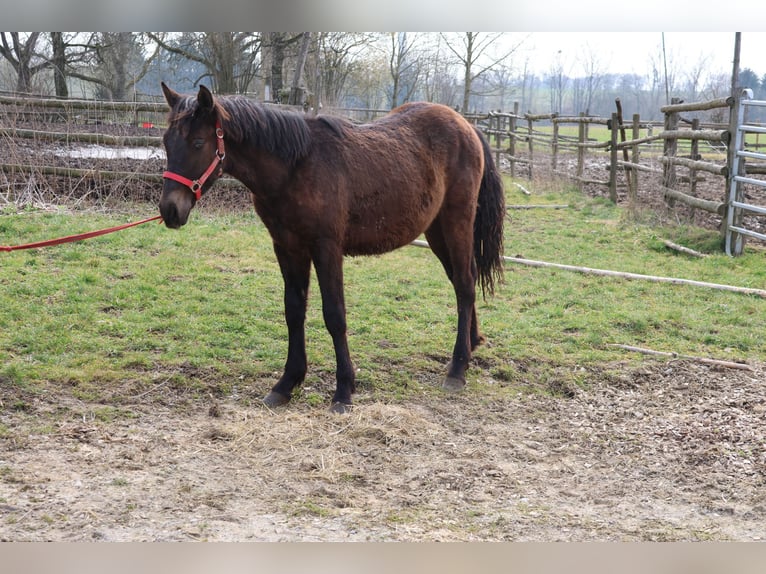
274 399
453 384
341 408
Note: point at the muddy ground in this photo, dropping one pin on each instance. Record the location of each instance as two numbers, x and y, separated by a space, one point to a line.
669 451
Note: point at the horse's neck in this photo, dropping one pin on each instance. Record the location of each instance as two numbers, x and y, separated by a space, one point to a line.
261 172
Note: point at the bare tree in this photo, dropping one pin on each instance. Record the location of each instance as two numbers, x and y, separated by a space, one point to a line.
655 85
470 48
368 84
71 53
404 66
337 54
631 85
593 75
502 81
22 52
695 78
558 79
230 59
113 61
275 49
661 80
527 86
438 81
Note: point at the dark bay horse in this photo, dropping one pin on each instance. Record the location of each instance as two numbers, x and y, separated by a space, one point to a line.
326 188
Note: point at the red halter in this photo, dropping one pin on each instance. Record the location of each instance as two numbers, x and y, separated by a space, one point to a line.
196 185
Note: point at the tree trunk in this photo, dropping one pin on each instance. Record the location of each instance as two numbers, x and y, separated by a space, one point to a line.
120 59
277 61
395 67
59 64
24 52
467 78
24 81
295 88
225 59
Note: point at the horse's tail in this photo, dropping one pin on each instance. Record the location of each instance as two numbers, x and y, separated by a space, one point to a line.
488 226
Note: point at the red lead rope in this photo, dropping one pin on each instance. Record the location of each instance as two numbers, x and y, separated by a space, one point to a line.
78 237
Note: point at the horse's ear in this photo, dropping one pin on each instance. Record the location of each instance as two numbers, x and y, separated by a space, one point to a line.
171 96
205 99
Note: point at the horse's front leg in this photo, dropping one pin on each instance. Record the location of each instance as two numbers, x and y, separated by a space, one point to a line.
328 261
296 271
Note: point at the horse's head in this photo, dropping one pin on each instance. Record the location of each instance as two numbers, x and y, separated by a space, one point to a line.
195 153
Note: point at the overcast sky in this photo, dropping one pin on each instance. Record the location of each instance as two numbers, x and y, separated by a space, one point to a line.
630 52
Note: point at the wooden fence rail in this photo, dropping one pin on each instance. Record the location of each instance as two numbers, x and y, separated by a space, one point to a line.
88 138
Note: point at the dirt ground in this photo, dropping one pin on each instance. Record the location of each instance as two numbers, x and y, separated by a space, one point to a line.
669 451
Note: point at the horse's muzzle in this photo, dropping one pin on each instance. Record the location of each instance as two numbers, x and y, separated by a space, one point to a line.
175 207
170 216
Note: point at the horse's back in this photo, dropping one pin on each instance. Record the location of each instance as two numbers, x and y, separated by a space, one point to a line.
418 138
432 118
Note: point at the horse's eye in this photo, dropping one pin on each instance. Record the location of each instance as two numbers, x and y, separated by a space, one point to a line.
198 143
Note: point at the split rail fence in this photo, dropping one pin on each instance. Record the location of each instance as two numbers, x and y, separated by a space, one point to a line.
671 159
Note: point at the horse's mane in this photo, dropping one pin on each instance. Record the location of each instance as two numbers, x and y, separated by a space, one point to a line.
283 133
339 126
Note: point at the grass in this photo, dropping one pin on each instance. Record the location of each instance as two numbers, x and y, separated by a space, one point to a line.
150 311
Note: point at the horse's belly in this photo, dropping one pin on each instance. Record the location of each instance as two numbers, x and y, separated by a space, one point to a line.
370 235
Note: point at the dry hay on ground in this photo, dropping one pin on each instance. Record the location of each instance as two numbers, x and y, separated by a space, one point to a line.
669 451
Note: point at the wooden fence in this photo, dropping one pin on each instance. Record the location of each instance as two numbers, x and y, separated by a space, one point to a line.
73 111
670 159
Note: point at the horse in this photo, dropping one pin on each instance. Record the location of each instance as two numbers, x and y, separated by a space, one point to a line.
326 188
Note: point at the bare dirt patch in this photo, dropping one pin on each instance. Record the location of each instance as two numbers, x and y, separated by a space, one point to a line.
669 451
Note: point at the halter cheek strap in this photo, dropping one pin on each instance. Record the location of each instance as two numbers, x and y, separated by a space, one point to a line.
196 185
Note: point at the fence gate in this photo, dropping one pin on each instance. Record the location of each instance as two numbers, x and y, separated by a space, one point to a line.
737 206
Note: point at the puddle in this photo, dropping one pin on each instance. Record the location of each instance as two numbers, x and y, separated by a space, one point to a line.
108 152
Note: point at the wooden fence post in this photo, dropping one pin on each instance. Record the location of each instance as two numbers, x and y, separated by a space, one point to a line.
628 170
613 159
633 190
512 146
530 142
581 138
500 121
737 239
670 150
694 155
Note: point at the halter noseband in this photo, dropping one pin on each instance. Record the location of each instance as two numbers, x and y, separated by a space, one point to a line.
196 185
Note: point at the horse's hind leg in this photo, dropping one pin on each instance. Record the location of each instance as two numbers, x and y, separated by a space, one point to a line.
436 243
476 337
457 259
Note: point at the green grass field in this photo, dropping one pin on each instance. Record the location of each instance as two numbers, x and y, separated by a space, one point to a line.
199 310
